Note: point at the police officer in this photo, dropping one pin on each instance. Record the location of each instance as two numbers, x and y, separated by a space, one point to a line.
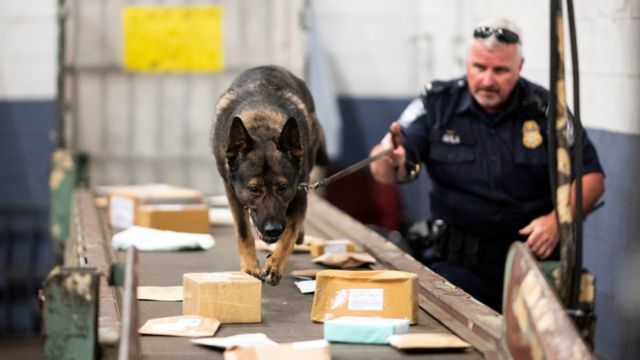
483 140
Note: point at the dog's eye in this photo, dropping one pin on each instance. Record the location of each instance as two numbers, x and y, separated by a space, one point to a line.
254 190
282 188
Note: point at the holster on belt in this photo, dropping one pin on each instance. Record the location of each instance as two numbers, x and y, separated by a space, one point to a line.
427 240
434 240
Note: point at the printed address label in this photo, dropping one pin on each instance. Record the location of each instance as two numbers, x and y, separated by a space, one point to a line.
366 299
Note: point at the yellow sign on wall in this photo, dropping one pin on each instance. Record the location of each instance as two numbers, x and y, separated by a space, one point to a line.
172 38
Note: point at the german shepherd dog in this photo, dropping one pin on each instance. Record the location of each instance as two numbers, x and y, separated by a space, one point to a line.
266 139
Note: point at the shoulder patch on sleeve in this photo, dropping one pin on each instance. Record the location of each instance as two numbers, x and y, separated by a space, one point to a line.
414 110
437 86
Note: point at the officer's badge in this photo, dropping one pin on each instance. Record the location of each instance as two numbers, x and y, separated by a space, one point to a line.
531 137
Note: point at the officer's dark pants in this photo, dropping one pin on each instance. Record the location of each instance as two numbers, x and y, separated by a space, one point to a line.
484 281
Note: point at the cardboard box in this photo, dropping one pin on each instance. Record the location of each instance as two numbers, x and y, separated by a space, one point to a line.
307 350
192 218
377 293
320 247
231 297
124 200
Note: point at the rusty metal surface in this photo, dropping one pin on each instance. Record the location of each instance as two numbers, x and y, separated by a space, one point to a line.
89 246
538 325
70 313
473 321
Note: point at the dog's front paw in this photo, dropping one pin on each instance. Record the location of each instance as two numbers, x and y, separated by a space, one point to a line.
257 275
271 276
252 270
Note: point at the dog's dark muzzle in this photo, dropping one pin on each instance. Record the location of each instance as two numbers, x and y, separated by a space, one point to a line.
272 232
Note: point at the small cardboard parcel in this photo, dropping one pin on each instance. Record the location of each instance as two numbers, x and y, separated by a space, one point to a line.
126 207
376 293
231 297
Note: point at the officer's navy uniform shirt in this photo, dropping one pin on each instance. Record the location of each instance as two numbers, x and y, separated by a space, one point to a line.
485 181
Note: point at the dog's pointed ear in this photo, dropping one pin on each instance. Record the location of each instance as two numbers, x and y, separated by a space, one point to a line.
240 142
289 140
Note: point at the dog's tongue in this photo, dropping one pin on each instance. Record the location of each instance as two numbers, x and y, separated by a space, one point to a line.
260 236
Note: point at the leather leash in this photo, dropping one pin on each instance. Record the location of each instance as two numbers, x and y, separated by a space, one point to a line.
344 172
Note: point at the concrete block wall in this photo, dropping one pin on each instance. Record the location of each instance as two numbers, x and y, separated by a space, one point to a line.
28 33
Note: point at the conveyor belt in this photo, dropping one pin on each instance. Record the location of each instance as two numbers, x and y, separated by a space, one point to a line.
285 311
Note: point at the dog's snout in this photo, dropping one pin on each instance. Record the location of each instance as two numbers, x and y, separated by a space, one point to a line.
273 230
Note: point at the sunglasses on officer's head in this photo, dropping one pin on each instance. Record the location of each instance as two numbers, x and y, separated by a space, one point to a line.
503 35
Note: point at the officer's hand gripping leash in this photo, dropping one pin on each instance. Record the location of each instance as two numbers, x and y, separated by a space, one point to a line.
413 169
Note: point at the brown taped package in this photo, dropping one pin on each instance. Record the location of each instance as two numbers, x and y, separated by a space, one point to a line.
124 200
380 293
348 260
308 350
192 218
320 247
231 297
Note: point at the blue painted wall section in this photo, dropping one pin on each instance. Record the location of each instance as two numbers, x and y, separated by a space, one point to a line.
25 245
25 151
611 246
610 232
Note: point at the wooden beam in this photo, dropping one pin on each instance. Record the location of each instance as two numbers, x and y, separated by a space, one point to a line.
538 327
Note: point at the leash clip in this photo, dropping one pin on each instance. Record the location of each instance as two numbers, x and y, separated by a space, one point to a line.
308 187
